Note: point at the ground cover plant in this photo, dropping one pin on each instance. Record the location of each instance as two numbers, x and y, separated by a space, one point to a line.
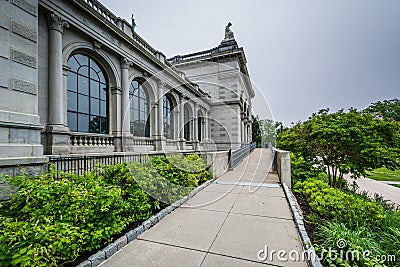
51 222
342 221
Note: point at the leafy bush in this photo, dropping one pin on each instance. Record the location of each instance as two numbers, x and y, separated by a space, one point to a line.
302 170
50 222
363 223
338 206
348 246
189 171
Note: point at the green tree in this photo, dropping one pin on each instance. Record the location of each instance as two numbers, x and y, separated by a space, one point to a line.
268 130
256 131
344 143
387 109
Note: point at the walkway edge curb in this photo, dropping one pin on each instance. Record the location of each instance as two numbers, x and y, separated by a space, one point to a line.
298 218
99 257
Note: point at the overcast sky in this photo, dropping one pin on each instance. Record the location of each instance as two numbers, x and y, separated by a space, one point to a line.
303 55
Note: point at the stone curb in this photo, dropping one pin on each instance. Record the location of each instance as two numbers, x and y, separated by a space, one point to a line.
104 254
298 218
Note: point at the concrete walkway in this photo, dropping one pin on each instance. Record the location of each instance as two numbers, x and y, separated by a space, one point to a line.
226 224
388 192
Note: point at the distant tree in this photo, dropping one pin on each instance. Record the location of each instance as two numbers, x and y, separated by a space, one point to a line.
256 131
344 143
268 130
387 109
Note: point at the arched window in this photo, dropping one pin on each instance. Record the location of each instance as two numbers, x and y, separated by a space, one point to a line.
168 117
87 104
139 108
186 129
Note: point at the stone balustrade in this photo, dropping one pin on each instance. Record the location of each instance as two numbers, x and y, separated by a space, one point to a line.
102 10
81 139
142 141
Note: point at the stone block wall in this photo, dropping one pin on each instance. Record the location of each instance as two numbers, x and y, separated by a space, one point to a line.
19 120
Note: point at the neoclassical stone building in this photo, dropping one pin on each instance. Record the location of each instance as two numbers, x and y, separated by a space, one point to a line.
76 79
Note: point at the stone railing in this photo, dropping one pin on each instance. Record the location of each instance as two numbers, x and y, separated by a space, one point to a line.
102 10
82 143
142 141
282 165
83 139
171 143
223 48
116 21
140 41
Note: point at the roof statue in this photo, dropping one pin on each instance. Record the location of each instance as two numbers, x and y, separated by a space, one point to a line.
229 32
133 23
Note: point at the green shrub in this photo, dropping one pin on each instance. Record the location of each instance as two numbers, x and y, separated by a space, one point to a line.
302 170
139 205
338 206
50 222
363 223
187 171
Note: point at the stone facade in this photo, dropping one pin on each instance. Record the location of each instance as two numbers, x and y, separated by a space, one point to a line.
222 72
19 110
40 38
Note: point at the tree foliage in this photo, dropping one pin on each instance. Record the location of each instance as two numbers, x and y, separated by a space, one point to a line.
387 109
345 143
256 131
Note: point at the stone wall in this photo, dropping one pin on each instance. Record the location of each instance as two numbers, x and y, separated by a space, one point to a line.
282 166
19 120
218 162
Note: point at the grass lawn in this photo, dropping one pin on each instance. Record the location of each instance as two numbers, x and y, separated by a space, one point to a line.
383 174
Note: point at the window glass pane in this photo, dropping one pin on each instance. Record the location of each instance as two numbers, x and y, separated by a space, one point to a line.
103 125
135 84
103 108
93 75
101 77
73 64
94 89
94 124
72 121
135 117
71 81
83 123
72 101
84 70
83 104
94 65
82 59
83 85
141 103
103 92
94 106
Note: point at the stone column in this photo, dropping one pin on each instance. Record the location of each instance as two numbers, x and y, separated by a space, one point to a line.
127 138
160 120
57 132
125 116
116 112
154 118
241 132
245 132
195 127
181 122
160 140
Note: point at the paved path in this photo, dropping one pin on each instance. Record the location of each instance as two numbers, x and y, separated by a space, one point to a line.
223 225
388 192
